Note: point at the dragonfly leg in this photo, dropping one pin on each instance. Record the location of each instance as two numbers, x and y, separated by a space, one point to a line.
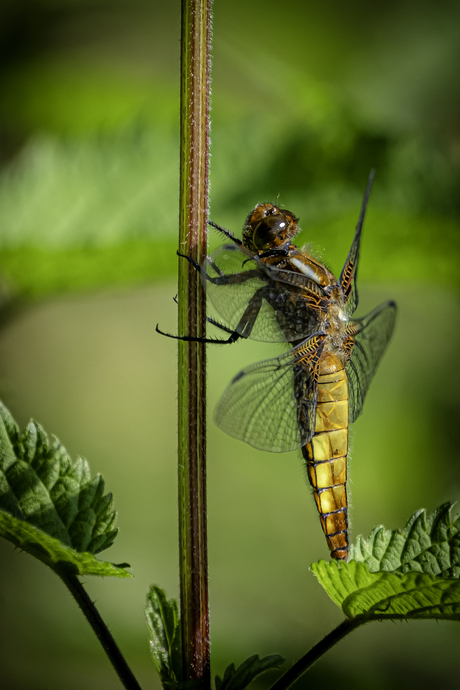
274 252
194 263
221 279
268 255
243 329
234 336
216 268
225 232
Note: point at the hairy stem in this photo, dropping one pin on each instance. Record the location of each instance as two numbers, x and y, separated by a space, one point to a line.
316 652
103 633
193 209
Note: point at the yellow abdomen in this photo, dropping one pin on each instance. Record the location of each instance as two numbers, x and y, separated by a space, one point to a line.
326 454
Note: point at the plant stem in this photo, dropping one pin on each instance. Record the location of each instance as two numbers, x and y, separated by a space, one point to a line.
193 210
288 678
100 628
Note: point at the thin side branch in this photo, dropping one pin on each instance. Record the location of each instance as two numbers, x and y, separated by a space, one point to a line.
316 652
104 635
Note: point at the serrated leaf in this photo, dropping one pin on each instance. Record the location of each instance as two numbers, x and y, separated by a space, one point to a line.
49 505
237 679
429 543
79 214
53 553
165 636
385 595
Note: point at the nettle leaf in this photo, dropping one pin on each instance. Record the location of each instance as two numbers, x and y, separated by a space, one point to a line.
165 636
163 622
429 543
72 206
241 677
384 595
50 506
405 573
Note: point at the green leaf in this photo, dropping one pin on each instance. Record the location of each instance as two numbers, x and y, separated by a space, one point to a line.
165 636
78 214
404 573
429 543
384 595
237 679
50 506
53 553
165 645
37 272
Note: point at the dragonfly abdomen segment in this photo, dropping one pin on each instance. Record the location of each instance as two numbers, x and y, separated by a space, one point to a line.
326 454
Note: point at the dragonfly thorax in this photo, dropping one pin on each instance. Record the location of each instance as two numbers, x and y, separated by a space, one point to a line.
335 326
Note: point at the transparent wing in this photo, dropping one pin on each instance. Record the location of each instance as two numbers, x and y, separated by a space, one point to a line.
349 275
272 404
236 290
256 300
370 337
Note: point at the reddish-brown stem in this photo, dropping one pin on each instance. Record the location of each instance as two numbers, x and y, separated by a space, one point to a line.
194 163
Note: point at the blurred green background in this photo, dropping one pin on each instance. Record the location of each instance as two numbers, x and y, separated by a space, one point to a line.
307 97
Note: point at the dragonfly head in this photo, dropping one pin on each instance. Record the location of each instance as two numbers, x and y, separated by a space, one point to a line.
268 227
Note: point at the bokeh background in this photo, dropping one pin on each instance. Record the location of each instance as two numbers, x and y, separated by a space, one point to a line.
307 97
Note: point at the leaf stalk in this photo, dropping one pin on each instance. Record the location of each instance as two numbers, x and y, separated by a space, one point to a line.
316 652
102 632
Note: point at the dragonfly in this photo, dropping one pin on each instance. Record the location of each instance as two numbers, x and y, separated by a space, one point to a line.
266 288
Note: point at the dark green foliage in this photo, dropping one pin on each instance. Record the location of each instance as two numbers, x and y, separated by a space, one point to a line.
49 505
410 573
165 646
429 543
384 595
241 677
165 636
39 272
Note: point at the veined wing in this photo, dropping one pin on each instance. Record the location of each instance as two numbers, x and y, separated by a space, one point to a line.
369 338
349 275
249 298
272 404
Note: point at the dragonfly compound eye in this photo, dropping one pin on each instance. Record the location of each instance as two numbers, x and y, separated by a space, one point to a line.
270 232
267 227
